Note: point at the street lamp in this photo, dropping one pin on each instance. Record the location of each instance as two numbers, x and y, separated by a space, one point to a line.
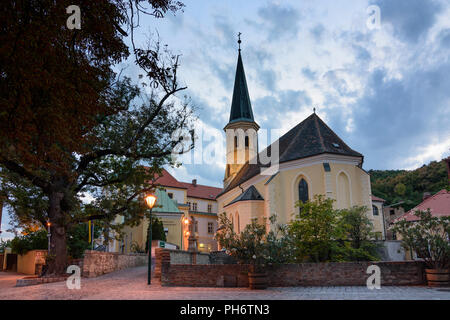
48 236
150 200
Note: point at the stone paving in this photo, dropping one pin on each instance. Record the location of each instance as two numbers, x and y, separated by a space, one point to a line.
132 284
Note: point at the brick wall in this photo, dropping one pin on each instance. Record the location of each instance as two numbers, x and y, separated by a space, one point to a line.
96 263
303 274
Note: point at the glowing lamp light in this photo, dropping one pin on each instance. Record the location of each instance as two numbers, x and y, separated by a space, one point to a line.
48 224
186 221
187 233
150 200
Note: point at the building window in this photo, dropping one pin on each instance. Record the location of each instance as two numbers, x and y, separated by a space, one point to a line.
196 226
210 227
194 206
238 228
394 236
170 194
246 141
209 208
375 210
392 212
235 142
303 191
189 204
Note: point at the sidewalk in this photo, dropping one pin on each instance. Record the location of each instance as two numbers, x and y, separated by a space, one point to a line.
132 284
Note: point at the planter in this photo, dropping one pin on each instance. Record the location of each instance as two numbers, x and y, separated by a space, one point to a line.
257 280
438 277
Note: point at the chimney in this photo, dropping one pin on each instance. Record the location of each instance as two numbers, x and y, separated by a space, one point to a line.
426 195
194 182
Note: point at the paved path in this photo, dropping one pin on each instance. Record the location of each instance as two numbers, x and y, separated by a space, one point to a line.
8 279
132 284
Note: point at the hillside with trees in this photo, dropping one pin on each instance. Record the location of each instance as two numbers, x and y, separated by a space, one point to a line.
409 185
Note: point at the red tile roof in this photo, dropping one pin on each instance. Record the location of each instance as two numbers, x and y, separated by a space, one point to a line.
378 199
439 205
167 180
197 191
201 191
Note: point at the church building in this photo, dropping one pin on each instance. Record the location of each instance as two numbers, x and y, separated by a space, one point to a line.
312 160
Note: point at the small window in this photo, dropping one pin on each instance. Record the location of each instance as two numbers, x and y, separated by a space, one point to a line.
194 206
326 167
336 145
210 227
392 212
209 208
246 141
170 194
196 226
189 204
375 210
235 142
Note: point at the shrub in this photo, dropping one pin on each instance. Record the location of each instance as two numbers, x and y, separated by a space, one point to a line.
429 237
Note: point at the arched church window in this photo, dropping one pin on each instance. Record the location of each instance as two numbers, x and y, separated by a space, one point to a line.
375 210
246 141
303 191
235 141
238 229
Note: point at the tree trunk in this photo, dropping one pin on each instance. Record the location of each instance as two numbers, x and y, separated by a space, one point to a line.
58 247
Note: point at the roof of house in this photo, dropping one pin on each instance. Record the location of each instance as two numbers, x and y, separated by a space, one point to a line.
201 191
167 180
439 205
377 199
310 137
195 191
164 204
241 108
250 194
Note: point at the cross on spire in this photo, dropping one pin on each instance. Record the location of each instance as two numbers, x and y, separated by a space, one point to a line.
239 41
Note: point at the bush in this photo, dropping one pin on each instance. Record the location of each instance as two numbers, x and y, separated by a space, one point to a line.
30 241
254 245
429 237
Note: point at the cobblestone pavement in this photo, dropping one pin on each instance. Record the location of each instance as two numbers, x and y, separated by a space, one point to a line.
132 284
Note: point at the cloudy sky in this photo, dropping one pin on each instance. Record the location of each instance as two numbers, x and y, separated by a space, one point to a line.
385 91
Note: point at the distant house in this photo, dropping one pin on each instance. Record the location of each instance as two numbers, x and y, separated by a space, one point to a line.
438 204
178 201
378 217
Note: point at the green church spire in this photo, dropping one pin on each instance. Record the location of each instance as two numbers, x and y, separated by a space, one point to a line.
241 108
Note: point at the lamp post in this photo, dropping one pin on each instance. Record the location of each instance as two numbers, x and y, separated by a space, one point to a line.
150 200
48 236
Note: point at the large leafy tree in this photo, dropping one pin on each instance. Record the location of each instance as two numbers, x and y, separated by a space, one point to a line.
69 125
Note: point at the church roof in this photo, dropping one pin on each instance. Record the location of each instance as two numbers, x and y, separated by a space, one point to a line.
310 137
241 108
250 194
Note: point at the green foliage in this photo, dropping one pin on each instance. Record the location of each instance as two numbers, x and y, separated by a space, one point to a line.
157 231
356 225
428 237
30 241
387 184
254 245
4 245
78 239
315 229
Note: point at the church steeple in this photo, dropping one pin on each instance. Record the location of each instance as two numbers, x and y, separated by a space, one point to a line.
241 130
241 108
